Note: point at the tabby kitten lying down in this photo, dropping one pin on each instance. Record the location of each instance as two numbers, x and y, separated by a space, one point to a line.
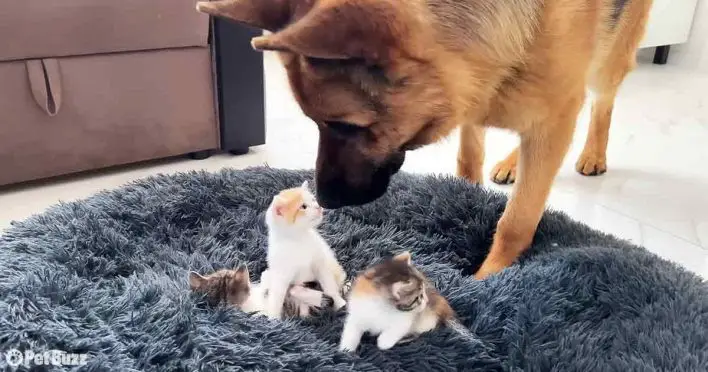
234 287
394 301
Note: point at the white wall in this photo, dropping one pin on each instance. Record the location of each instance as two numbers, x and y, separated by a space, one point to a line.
692 55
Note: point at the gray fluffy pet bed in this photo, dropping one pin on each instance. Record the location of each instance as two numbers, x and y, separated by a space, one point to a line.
107 276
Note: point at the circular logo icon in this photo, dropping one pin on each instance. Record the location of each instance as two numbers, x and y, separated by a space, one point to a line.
13 357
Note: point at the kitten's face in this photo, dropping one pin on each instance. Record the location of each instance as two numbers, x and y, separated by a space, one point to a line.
400 282
297 207
230 286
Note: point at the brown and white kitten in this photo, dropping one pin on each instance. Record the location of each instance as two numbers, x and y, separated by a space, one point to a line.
234 287
394 300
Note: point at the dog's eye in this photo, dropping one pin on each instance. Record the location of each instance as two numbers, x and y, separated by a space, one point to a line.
378 73
344 128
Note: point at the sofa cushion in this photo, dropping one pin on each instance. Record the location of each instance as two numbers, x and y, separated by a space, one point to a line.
42 28
73 114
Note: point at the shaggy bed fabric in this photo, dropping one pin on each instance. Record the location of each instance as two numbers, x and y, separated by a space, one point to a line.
107 276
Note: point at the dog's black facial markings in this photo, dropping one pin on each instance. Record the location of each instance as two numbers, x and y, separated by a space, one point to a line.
617 10
344 129
351 66
378 74
336 191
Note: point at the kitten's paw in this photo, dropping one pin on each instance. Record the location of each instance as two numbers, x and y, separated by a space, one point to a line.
347 348
264 278
304 311
390 337
273 315
407 339
339 303
385 343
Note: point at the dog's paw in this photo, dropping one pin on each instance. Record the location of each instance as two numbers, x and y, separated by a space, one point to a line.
471 174
489 267
504 173
590 164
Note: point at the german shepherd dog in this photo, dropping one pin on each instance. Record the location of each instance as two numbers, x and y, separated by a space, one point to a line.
382 77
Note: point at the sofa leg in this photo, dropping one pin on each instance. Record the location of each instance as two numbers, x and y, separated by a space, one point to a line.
199 155
661 55
242 151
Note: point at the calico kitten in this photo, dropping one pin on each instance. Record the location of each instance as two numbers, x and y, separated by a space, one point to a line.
394 301
296 251
234 287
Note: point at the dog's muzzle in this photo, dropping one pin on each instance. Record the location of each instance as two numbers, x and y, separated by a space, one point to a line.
337 188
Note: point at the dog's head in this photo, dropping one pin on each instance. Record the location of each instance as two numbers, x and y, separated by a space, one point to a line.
362 71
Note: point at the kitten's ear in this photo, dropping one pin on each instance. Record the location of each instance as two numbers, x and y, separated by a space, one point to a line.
396 289
305 185
277 206
403 257
242 273
196 281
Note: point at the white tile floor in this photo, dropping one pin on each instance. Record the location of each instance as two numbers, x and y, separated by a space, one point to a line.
655 193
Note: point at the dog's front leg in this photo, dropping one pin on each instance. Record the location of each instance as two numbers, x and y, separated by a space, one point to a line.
540 155
470 156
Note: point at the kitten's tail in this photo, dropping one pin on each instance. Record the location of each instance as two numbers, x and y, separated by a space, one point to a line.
340 276
459 328
311 297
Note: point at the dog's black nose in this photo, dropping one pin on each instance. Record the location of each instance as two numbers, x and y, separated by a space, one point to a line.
336 194
336 189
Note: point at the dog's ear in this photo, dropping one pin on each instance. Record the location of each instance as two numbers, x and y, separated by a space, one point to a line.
269 15
360 29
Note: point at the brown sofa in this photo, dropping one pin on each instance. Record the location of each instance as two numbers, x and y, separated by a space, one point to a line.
86 84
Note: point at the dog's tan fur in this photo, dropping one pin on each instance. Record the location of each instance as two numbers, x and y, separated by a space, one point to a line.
410 72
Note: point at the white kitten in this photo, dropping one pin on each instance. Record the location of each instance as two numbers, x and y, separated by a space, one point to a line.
296 251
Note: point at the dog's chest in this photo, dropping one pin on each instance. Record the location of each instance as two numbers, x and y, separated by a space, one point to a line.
516 106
